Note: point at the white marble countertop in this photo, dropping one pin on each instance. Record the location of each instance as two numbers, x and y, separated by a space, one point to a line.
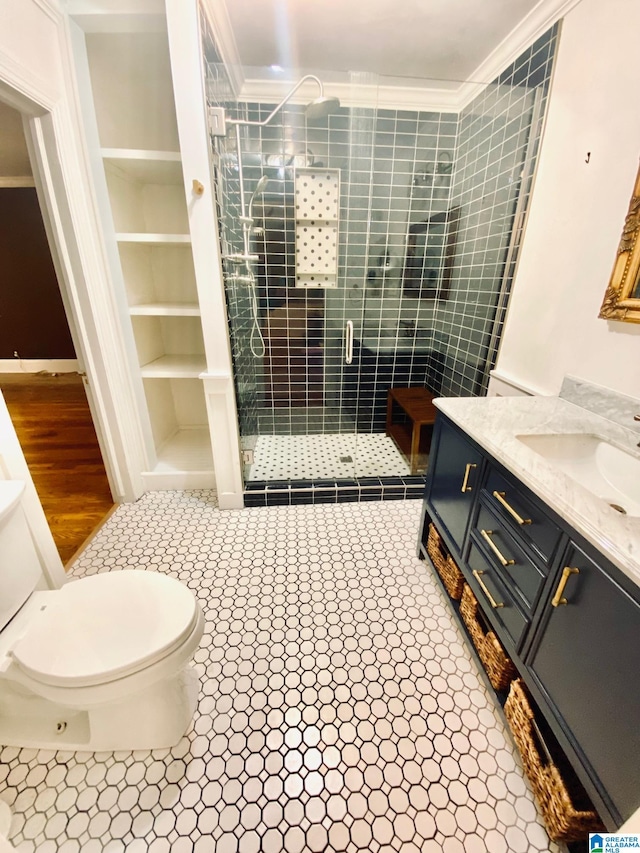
494 422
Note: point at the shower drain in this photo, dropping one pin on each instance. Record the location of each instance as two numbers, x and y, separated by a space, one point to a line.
618 508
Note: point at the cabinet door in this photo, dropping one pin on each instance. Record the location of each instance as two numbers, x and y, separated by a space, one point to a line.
587 660
455 475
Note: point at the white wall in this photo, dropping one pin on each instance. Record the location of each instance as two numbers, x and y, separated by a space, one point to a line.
577 211
14 157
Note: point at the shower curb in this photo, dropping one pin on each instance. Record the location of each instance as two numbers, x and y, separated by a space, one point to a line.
296 492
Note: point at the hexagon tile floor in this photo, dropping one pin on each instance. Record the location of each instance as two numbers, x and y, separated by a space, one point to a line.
340 709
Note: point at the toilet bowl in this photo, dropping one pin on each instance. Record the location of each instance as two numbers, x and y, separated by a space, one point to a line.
104 663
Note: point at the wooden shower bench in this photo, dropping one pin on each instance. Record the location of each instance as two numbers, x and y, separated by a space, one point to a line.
417 406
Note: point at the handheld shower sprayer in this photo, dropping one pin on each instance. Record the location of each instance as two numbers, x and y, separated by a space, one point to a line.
249 259
319 108
260 188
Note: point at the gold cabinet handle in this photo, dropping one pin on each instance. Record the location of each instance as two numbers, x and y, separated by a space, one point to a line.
477 575
467 471
486 535
566 574
500 497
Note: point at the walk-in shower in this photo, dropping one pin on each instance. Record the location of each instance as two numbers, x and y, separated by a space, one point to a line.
423 239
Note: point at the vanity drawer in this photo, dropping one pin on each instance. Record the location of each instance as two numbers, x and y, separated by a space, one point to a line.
524 517
493 595
507 557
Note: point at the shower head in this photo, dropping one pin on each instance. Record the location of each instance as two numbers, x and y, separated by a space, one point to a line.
318 108
260 188
321 107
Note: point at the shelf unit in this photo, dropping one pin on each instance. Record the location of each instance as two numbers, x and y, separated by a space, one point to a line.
134 111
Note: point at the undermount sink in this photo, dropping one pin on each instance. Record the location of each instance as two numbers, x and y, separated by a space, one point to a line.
605 470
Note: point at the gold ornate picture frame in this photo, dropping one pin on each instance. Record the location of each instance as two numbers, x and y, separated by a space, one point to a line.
622 298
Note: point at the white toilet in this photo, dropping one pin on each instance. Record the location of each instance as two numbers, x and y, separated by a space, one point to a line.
104 663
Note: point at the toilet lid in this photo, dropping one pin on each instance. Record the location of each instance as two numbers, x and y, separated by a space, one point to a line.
106 626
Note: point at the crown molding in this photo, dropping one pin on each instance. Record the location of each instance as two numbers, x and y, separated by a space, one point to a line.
381 96
428 99
220 24
532 26
117 16
51 8
23 90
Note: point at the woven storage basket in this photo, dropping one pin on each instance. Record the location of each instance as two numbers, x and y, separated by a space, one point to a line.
499 667
565 817
451 575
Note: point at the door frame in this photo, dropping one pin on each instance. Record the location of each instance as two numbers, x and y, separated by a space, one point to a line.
37 79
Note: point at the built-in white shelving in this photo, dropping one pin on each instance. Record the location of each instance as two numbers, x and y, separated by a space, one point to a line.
174 367
153 239
139 146
151 167
165 309
187 450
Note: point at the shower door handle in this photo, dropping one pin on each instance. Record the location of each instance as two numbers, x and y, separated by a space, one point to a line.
348 343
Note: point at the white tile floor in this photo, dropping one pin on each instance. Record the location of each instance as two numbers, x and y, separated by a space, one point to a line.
319 457
340 709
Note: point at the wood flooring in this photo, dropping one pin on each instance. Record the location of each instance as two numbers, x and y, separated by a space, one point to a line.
51 416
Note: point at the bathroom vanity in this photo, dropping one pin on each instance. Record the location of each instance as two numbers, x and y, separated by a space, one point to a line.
555 569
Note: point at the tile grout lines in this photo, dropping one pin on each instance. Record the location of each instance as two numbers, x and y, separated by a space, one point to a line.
340 709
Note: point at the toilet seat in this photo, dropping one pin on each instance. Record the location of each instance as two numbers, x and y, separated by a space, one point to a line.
105 627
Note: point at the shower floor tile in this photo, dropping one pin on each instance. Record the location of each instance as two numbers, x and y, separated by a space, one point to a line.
321 457
340 709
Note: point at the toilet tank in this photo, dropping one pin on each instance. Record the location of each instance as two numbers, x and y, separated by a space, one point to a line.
20 569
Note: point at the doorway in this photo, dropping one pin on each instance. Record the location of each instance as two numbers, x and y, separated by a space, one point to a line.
39 375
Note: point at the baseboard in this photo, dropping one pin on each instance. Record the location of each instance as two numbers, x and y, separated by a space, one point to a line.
160 481
37 365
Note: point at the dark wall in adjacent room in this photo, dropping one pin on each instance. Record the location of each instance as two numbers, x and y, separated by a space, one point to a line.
32 318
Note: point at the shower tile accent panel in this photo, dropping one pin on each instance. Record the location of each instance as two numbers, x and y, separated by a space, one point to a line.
317 205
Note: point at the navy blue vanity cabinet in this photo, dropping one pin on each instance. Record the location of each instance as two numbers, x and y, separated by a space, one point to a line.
568 619
523 514
496 600
585 660
523 577
453 481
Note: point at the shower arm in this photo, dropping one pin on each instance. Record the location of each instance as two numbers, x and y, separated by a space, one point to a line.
238 122
287 97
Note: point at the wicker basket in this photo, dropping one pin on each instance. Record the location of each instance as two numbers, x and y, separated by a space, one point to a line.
499 667
567 814
451 575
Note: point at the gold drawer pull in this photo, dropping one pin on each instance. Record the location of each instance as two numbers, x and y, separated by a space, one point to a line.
467 471
499 496
557 599
486 535
492 600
